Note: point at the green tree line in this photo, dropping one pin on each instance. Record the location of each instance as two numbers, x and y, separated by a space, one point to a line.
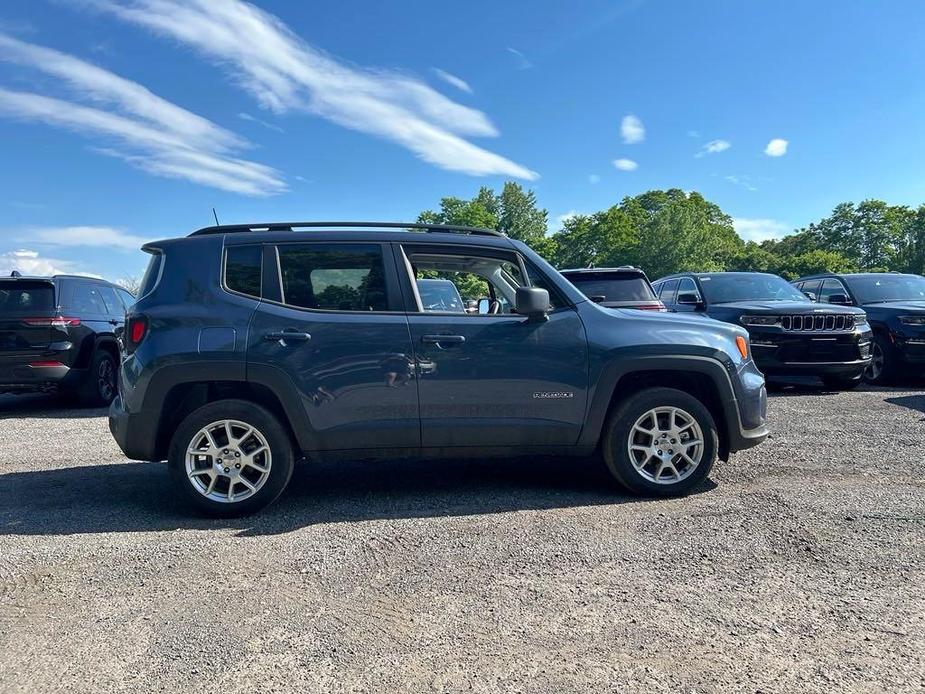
666 231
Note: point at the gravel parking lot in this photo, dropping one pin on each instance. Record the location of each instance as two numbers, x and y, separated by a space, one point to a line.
799 567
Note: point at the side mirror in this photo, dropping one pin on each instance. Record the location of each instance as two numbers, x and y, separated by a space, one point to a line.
690 299
484 305
840 299
598 298
812 297
532 302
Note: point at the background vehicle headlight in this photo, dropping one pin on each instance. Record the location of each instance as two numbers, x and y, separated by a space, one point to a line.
760 320
912 320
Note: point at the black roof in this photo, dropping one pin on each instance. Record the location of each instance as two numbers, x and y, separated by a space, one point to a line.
601 270
293 226
712 274
49 278
823 275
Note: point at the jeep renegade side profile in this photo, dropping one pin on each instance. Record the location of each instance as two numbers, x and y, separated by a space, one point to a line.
251 346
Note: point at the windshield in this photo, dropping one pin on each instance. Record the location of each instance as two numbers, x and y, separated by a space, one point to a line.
440 295
614 287
881 288
722 289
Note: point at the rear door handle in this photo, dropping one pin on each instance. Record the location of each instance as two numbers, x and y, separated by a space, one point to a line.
287 336
444 339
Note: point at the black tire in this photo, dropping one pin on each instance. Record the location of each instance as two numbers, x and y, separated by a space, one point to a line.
887 372
620 426
281 458
100 385
842 383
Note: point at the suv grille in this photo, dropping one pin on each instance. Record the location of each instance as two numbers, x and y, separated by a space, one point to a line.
818 321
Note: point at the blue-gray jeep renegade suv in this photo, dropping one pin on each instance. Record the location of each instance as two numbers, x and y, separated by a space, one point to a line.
252 346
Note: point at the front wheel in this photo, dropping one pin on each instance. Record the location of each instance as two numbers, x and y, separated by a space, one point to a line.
660 442
230 458
882 368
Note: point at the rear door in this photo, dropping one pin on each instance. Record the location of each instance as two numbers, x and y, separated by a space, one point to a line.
27 308
331 324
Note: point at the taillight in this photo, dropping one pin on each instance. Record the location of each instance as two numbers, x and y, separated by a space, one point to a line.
52 321
136 329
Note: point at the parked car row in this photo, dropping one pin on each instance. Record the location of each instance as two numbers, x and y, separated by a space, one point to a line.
843 328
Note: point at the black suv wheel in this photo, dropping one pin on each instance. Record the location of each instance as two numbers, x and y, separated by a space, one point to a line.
100 384
882 369
230 458
660 442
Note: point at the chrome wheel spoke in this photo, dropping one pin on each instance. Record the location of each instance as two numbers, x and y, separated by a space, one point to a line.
674 447
227 462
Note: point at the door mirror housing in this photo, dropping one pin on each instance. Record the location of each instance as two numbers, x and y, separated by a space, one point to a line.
598 298
690 299
840 299
532 302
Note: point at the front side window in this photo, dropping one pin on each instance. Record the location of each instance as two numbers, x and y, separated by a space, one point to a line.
242 269
333 277
829 289
687 286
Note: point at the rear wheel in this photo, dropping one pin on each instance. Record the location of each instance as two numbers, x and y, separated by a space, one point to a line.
660 442
230 458
841 383
99 386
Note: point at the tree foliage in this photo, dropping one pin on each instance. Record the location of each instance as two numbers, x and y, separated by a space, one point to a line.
666 231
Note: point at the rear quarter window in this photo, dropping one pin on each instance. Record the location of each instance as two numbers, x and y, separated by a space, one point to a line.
243 269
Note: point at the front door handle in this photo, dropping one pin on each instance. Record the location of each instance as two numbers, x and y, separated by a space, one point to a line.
444 339
287 336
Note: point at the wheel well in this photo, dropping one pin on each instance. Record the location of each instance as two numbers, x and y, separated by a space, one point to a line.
184 398
111 347
699 385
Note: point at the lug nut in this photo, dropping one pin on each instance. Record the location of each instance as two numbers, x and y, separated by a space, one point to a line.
237 455
238 466
227 470
225 452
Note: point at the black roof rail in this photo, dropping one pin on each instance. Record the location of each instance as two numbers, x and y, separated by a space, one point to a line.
292 226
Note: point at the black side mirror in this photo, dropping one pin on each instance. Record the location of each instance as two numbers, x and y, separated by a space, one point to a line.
840 299
690 299
532 302
598 298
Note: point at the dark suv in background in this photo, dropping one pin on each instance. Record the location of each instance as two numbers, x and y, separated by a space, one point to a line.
59 334
253 345
615 287
790 335
895 307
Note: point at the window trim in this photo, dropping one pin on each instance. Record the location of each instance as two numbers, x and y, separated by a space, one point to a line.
393 292
161 261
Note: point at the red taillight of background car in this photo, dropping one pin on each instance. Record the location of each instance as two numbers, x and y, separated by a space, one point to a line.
136 330
52 321
655 306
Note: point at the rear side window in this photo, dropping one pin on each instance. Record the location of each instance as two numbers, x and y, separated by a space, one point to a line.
86 299
152 275
333 277
242 269
25 297
127 299
114 305
614 286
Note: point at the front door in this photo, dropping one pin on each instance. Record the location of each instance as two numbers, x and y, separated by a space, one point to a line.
337 330
487 376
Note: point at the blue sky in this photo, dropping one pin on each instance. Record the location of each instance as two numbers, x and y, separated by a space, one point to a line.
128 120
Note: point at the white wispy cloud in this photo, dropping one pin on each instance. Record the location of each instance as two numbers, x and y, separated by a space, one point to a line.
259 121
138 126
523 62
714 147
89 236
594 179
30 262
284 73
453 80
760 229
742 181
776 147
625 164
632 130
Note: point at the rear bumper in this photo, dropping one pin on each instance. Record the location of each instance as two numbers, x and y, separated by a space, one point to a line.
26 378
134 433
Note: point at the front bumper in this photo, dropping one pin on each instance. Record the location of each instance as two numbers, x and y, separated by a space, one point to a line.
912 350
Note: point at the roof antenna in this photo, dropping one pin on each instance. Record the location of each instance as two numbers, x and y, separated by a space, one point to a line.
215 214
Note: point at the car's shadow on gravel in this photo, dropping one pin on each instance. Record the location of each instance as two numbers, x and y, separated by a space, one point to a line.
912 402
135 497
45 406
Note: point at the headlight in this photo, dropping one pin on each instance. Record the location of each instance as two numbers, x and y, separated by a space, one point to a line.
760 320
912 320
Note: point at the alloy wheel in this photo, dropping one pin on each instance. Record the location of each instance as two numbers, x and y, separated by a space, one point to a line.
665 445
875 369
106 380
228 461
